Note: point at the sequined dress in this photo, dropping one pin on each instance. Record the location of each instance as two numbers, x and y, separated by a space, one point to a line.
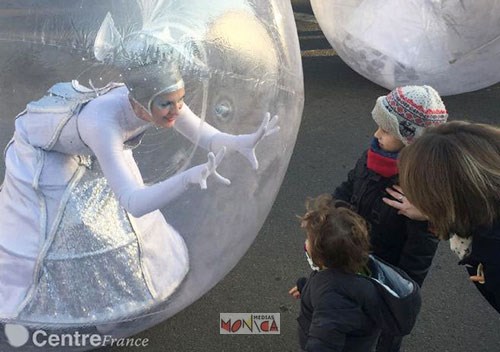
70 252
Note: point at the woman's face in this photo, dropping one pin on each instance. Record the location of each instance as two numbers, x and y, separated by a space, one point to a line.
165 108
388 142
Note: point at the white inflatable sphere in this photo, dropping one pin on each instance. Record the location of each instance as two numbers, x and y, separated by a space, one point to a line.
451 45
242 59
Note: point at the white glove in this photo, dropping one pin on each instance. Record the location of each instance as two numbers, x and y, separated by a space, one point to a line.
199 174
245 144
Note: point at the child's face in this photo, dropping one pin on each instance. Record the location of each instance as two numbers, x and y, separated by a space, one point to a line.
388 142
307 246
313 265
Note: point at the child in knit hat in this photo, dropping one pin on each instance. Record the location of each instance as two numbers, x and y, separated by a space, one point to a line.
401 116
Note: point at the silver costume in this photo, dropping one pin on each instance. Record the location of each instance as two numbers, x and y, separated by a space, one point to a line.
69 250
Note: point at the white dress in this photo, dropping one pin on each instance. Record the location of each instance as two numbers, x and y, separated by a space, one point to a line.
81 239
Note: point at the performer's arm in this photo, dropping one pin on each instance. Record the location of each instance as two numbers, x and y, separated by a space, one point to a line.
124 178
210 138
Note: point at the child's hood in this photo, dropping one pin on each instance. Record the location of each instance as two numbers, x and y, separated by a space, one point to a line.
400 296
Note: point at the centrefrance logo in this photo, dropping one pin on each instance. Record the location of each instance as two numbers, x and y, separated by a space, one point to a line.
249 323
18 336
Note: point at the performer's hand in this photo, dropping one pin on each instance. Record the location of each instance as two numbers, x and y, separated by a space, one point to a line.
403 204
294 292
245 144
200 173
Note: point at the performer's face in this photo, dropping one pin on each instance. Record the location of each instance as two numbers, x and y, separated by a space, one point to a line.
165 108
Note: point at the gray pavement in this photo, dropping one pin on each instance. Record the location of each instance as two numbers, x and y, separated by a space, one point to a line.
336 128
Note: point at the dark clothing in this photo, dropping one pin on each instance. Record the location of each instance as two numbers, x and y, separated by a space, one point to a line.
336 313
486 251
389 343
396 239
347 312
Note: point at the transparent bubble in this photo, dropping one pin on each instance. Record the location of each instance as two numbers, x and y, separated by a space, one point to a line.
451 45
239 60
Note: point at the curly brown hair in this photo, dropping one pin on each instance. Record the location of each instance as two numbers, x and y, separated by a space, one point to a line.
338 237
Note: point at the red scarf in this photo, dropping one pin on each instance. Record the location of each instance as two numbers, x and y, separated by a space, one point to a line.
384 165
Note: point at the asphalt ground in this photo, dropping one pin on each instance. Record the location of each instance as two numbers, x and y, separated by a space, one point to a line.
336 127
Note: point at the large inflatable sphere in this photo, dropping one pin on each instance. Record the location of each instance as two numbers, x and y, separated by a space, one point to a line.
238 59
451 45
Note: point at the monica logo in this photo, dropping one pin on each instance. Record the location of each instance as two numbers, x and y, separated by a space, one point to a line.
249 323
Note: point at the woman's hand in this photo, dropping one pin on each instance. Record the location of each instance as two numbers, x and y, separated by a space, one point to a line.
245 144
402 204
199 174
294 292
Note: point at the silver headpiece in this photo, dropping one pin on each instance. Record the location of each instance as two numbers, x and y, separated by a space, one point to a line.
149 66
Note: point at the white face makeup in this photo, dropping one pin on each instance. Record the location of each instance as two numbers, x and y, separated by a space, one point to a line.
165 108
164 104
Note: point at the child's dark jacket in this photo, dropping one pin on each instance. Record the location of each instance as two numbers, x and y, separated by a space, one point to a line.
347 312
395 238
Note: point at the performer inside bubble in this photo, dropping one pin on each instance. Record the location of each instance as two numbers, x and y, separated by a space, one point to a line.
81 238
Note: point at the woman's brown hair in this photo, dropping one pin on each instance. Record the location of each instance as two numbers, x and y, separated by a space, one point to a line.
452 175
338 237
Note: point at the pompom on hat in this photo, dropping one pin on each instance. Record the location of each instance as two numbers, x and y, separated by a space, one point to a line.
406 111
